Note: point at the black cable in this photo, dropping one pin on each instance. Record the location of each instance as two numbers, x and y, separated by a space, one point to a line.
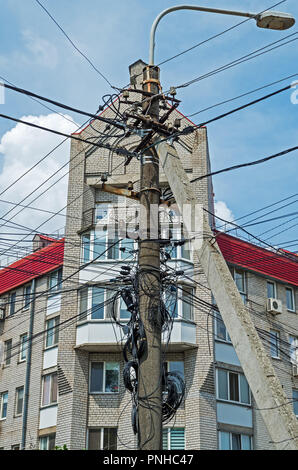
71 136
242 165
64 106
239 96
241 59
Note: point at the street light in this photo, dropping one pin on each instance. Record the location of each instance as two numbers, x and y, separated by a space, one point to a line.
268 19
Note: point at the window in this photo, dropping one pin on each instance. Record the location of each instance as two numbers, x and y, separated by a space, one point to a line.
95 304
179 302
83 304
97 311
239 277
52 332
290 299
232 386
271 290
49 389
55 281
104 377
186 297
293 340
27 296
174 366
47 442
3 405
12 303
179 247
23 347
173 439
295 402
234 441
101 244
19 401
86 247
221 332
274 343
7 351
102 439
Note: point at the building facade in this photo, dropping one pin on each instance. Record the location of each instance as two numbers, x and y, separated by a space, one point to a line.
61 375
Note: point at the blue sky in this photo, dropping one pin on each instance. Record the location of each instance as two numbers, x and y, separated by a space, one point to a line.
36 56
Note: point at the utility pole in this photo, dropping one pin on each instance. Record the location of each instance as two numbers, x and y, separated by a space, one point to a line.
150 367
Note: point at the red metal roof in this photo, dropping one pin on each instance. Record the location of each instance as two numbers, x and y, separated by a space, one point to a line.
34 265
235 251
252 257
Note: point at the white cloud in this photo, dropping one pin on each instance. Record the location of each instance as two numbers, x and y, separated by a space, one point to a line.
22 147
42 52
222 211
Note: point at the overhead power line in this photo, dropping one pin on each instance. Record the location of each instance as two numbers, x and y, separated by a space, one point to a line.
240 60
242 165
241 96
267 207
64 106
119 151
75 47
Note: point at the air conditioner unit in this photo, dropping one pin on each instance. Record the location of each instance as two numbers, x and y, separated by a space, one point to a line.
2 313
295 370
274 306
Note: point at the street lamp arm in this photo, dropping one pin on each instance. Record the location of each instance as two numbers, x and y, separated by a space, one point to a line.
267 19
187 7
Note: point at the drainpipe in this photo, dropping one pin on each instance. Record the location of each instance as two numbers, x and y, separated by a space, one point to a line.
28 366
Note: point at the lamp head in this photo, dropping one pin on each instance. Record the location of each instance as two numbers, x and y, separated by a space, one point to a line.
275 20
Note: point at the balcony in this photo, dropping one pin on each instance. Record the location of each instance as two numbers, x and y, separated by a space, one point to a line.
106 336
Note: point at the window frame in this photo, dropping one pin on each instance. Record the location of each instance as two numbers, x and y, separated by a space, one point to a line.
102 431
2 394
86 315
274 289
277 345
103 392
12 304
18 389
27 296
230 439
51 403
7 352
228 400
244 294
218 319
179 315
23 347
293 343
58 286
292 298
55 332
104 257
47 437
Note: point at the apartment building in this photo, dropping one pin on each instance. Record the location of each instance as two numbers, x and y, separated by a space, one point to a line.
66 386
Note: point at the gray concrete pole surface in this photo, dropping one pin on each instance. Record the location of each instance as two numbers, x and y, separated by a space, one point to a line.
150 367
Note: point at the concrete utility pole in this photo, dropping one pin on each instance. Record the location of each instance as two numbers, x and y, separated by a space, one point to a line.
150 377
267 390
